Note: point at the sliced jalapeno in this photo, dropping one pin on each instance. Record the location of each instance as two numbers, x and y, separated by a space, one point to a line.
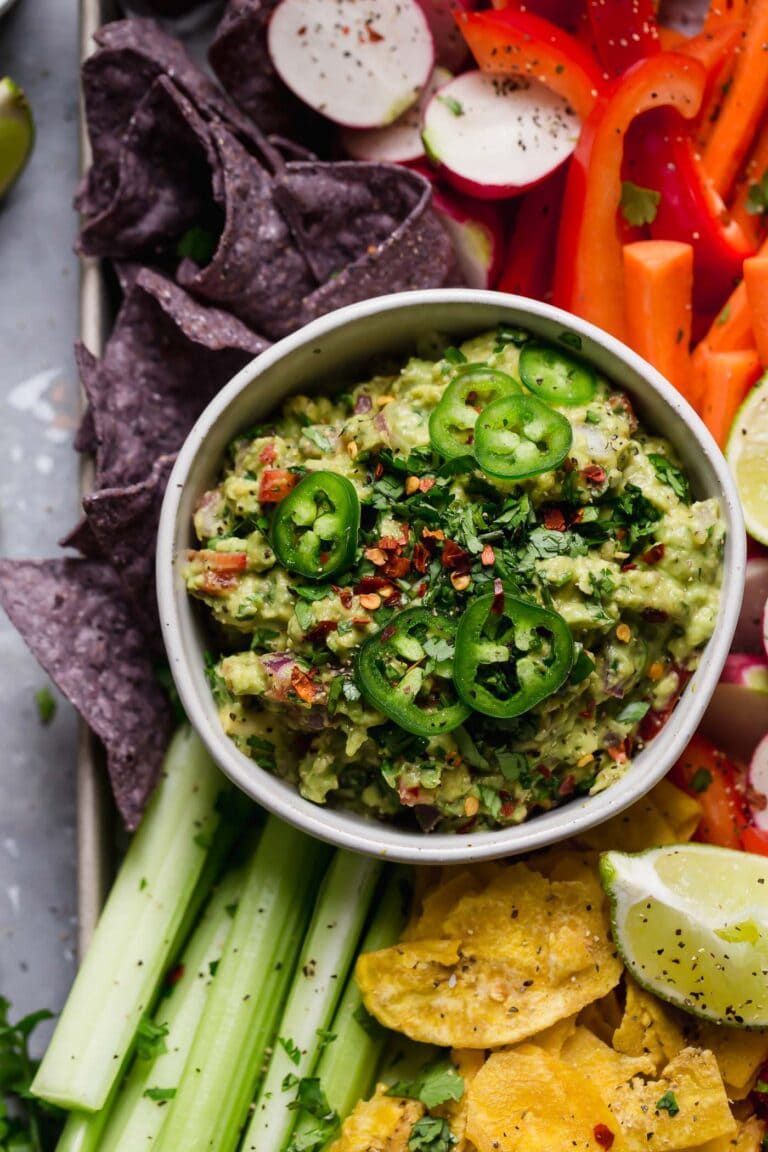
555 376
314 529
452 422
510 654
518 436
406 672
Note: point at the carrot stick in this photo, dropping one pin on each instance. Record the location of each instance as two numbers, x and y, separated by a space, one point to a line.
723 11
671 40
726 378
757 165
658 282
743 108
756 284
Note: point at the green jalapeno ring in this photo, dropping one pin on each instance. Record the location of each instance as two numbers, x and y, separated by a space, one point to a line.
555 376
390 673
519 436
452 421
315 527
489 634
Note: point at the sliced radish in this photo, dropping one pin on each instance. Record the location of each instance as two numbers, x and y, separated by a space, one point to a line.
450 46
736 720
477 230
357 62
749 630
400 142
746 669
758 782
495 136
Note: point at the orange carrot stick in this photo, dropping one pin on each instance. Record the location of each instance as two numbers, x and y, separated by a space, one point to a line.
756 284
726 379
658 282
671 40
744 106
722 11
751 223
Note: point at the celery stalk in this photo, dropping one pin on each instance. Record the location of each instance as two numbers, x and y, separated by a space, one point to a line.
243 1008
347 1067
326 958
132 944
136 1118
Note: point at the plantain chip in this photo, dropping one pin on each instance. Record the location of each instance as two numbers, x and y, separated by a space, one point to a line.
605 1068
381 1124
740 1054
666 815
648 1027
510 961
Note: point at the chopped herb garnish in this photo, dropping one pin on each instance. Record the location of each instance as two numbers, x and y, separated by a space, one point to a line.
670 475
436 1084
160 1095
757 196
638 205
198 244
431 1134
150 1039
46 705
668 1103
292 1051
633 713
701 780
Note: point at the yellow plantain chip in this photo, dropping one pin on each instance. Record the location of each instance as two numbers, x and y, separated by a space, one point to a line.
437 902
604 1016
686 1106
648 1027
748 1138
666 815
510 961
381 1124
605 1068
740 1054
526 1100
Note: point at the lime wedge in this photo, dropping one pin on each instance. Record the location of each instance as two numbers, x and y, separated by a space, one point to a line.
17 133
747 454
691 924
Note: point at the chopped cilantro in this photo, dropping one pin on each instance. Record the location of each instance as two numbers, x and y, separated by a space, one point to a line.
583 666
513 765
318 438
701 780
638 205
668 1103
438 1083
757 196
26 1123
670 475
46 705
454 106
325 1037
491 800
213 967
150 1039
517 336
431 1134
293 1052
304 616
454 355
312 592
198 244
633 713
761 1086
160 1095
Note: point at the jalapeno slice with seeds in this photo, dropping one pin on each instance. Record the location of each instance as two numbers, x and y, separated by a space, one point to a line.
406 672
510 654
452 421
518 436
555 376
315 528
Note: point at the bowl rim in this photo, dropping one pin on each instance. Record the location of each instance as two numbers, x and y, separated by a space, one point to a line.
374 837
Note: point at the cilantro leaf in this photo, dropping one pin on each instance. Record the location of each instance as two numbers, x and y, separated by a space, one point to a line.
292 1050
668 1103
26 1123
437 1083
633 713
198 244
160 1095
46 705
757 196
431 1134
701 780
150 1039
670 475
638 205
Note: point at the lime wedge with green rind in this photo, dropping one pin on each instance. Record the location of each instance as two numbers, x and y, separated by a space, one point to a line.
691 924
747 454
17 133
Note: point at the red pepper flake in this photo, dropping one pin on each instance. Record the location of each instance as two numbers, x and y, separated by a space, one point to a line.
397 567
276 484
594 474
421 591
653 554
361 621
603 1135
554 519
173 975
304 687
567 785
411 796
268 454
405 534
344 595
390 544
507 809
455 557
371 584
321 630
618 753
487 556
378 471
628 567
577 516
374 36
426 483
428 534
497 606
420 557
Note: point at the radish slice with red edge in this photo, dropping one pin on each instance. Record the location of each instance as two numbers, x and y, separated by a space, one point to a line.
758 785
748 636
495 136
746 669
736 720
450 46
399 142
477 230
358 62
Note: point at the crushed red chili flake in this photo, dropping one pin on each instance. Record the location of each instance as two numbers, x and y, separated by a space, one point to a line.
318 632
487 556
594 474
603 1135
567 785
422 590
268 454
378 471
397 567
653 555
554 519
622 401
426 483
374 36
360 621
420 557
304 686
497 607
429 534
618 753
455 557
344 595
655 615
371 584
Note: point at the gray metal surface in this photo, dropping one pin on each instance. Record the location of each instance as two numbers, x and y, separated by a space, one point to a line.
38 502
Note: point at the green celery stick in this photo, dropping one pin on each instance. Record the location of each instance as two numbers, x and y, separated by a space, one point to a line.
326 958
136 1118
347 1066
133 942
243 1008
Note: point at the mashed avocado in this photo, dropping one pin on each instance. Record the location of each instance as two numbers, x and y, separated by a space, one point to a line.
608 539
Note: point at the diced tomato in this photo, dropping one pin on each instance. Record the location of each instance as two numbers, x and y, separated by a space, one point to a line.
706 773
268 454
222 561
755 840
275 485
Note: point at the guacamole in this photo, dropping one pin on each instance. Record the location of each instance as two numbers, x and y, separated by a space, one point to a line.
456 594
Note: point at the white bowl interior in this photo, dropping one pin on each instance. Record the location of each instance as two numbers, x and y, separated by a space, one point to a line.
337 350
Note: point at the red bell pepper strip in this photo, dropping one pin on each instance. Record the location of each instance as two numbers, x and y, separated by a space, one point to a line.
706 773
567 14
660 156
624 32
589 271
513 43
755 840
530 255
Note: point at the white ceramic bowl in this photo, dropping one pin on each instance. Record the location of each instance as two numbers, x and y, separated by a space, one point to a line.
339 347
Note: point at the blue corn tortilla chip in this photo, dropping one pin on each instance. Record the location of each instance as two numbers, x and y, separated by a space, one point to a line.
74 618
166 358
